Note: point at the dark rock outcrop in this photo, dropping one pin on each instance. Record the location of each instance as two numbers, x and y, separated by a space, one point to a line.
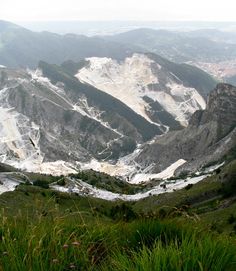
209 136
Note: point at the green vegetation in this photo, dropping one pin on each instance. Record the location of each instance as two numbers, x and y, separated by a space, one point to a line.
190 229
229 182
107 182
184 253
210 202
81 237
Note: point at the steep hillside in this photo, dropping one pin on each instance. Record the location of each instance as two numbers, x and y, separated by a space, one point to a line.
207 141
209 136
51 121
43 122
159 90
109 108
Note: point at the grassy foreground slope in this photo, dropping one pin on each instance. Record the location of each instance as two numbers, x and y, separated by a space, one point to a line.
190 229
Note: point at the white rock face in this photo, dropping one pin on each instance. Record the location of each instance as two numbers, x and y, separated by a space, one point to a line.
165 174
19 136
125 81
19 142
181 102
83 188
134 78
128 81
19 147
125 168
7 186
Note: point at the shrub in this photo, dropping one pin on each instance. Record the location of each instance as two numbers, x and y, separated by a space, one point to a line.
231 219
122 212
41 183
189 186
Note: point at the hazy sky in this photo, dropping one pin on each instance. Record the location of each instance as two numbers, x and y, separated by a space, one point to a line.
43 10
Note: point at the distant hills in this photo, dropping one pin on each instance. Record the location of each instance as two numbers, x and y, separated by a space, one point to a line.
201 45
20 47
92 28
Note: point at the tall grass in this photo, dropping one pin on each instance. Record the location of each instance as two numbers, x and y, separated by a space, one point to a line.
187 253
68 242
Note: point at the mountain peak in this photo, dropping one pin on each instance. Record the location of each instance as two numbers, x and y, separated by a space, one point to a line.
222 102
224 88
221 108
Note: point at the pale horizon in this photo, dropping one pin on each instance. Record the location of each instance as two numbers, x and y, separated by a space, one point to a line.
124 10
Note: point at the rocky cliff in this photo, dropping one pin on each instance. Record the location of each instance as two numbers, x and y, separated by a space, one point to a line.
209 136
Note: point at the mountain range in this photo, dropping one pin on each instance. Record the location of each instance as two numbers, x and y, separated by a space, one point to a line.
20 47
194 46
70 102
117 152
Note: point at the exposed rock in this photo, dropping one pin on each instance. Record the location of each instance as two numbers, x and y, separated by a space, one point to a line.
161 91
210 135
